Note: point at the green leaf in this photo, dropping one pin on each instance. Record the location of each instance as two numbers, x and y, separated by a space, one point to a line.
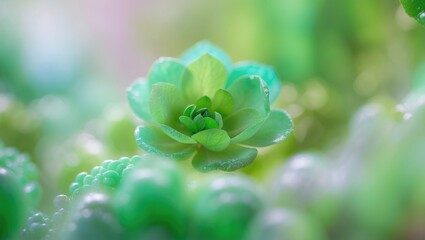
266 73
210 123
201 111
223 102
203 77
189 123
165 69
247 133
152 140
203 102
234 157
241 120
204 47
415 9
188 112
176 135
166 103
250 92
138 95
276 128
213 139
219 119
199 122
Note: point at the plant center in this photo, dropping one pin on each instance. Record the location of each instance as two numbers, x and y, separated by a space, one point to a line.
198 117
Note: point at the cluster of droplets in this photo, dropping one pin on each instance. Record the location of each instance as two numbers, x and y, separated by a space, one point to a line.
62 204
25 171
198 117
421 18
107 176
38 226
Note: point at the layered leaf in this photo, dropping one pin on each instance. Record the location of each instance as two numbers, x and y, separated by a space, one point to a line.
138 99
203 77
266 73
223 102
189 110
213 139
219 119
205 47
275 129
166 103
247 133
188 123
241 120
230 159
199 122
210 123
176 135
151 139
203 102
250 92
168 70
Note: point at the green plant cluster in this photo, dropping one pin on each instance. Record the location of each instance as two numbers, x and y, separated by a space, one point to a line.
203 107
152 200
370 186
313 195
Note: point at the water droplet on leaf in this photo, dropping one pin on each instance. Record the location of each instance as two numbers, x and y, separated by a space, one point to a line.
421 18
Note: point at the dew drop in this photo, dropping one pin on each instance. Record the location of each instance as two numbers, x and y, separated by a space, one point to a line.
61 201
421 18
266 91
407 116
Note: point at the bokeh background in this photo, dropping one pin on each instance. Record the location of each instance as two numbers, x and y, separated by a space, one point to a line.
65 65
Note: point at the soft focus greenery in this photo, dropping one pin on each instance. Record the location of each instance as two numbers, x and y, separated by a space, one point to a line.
352 79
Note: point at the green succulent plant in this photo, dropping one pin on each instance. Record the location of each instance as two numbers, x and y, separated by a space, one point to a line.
203 106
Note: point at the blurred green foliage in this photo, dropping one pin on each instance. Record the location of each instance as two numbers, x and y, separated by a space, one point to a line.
12 207
62 101
338 54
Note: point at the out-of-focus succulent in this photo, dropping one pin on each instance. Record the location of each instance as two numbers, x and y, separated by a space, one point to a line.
281 223
150 200
25 171
307 182
12 207
93 218
204 107
225 207
20 191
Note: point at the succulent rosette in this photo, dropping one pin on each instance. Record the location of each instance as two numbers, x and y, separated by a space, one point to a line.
202 107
